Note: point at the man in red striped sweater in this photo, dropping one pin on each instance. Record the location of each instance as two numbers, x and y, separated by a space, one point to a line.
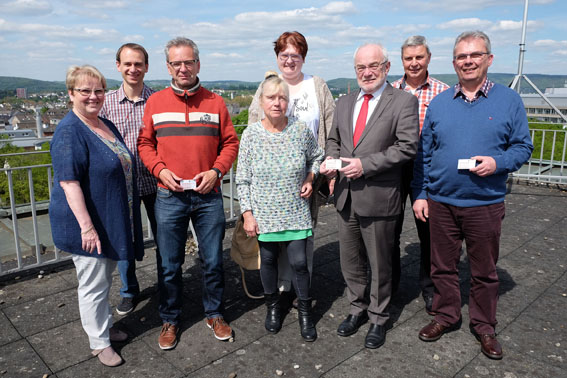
188 143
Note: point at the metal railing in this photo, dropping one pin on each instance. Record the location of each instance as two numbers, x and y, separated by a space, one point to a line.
41 252
547 165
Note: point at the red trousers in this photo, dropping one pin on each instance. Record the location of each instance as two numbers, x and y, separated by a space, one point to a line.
480 228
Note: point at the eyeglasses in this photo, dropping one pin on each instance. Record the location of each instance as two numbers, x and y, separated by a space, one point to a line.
87 92
374 67
187 63
477 55
294 57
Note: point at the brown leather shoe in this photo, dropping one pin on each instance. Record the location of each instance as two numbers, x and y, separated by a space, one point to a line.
433 331
221 329
168 336
490 346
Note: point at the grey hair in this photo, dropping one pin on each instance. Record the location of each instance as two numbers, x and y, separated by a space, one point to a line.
379 45
272 83
181 41
416 40
473 34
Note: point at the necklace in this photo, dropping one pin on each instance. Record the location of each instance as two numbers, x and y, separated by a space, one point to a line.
97 128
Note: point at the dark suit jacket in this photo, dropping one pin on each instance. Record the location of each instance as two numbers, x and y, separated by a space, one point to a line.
389 140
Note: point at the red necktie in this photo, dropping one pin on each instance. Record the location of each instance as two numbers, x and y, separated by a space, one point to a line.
361 120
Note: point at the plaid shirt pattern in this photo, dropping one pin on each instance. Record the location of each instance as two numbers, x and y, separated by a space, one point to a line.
483 91
127 117
424 93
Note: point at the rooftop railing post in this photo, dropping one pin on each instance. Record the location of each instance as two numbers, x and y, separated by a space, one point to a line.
552 153
563 153
14 219
34 218
231 179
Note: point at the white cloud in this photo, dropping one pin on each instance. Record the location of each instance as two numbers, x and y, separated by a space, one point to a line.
506 25
550 43
26 7
58 31
53 45
553 47
465 23
218 55
138 38
106 51
446 6
488 26
339 7
239 29
104 4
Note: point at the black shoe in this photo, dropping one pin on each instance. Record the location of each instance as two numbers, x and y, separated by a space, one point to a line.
273 315
351 324
375 337
306 326
428 299
126 306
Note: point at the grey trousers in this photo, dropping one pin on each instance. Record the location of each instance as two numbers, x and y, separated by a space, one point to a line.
366 244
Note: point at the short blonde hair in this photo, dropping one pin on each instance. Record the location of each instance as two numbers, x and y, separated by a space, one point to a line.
273 84
76 72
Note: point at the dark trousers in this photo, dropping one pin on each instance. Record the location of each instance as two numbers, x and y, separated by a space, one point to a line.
297 257
127 268
366 243
425 282
480 228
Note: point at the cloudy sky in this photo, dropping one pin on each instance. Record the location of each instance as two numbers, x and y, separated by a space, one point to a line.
39 39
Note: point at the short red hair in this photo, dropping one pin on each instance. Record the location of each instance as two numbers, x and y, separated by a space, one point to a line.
295 39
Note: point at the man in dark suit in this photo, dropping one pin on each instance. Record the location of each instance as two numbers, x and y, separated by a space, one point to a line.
375 131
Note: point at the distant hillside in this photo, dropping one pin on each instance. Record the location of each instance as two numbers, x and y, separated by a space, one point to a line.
541 81
8 84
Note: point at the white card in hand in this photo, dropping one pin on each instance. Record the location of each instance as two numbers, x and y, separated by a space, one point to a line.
334 164
188 184
466 164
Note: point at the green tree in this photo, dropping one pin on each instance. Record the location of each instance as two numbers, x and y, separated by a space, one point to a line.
20 179
240 119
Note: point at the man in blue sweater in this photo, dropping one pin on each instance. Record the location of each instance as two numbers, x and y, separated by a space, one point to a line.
473 136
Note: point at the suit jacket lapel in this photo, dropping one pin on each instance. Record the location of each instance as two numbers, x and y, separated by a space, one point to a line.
384 101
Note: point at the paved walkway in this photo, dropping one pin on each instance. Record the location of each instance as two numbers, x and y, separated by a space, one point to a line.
40 329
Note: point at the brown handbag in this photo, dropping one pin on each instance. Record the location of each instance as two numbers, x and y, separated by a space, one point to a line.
245 252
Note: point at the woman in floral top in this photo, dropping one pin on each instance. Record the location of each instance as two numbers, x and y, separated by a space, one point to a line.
277 163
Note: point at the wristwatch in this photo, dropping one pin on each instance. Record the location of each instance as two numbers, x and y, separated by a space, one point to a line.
219 173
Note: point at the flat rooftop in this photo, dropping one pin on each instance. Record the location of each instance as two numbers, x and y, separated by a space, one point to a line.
42 334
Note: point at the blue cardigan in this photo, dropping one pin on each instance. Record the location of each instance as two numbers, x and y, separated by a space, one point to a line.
78 154
453 129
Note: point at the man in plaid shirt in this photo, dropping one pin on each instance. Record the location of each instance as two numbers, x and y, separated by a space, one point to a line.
125 108
416 80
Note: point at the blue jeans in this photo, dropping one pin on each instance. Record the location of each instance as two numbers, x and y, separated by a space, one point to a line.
127 268
173 212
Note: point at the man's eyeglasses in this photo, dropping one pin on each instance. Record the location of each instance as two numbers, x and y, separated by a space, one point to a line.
294 57
187 63
374 67
87 92
477 55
